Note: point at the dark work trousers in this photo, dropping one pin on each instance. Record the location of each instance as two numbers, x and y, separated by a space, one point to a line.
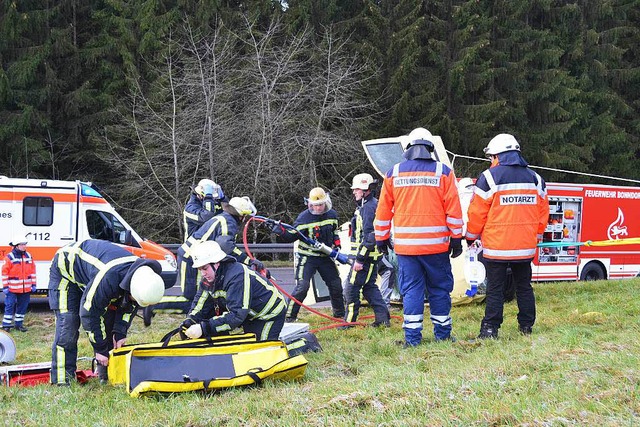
365 281
305 269
65 303
188 280
496 281
266 330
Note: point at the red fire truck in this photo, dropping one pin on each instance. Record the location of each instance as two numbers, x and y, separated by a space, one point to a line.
588 212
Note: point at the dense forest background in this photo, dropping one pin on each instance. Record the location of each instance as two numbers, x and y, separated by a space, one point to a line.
270 99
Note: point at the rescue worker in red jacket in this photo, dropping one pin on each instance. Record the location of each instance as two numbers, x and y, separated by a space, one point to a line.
18 282
100 285
248 300
420 195
363 273
319 222
205 202
508 212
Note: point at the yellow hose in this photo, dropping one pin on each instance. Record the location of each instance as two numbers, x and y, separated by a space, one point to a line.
630 241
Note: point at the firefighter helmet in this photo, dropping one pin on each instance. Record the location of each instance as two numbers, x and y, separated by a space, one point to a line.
147 287
242 206
501 143
18 239
207 252
363 181
207 186
319 201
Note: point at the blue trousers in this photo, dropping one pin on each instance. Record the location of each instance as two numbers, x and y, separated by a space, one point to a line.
15 304
431 274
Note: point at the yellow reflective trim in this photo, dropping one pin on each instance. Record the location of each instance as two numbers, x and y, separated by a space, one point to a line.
265 331
224 229
96 280
61 359
247 289
311 225
63 288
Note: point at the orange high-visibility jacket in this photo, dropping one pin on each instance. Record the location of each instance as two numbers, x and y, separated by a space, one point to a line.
509 210
18 272
422 199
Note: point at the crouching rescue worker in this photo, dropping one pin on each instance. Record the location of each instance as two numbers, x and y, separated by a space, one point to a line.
319 222
420 196
18 282
508 212
232 296
99 285
205 202
227 223
363 273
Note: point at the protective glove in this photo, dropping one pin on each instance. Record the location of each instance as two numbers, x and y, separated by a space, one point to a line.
33 289
5 291
186 324
208 189
384 246
194 331
275 227
470 242
455 247
256 264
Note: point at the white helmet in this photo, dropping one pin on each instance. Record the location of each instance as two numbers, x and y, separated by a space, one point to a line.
18 239
211 186
207 252
362 181
243 205
501 143
420 136
147 287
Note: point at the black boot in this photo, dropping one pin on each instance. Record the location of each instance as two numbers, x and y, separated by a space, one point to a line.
488 330
525 330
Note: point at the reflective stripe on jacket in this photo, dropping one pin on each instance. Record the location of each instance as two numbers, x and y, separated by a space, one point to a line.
509 210
223 224
421 198
196 213
322 228
18 272
363 241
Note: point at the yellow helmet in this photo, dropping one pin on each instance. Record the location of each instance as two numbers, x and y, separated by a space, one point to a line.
318 197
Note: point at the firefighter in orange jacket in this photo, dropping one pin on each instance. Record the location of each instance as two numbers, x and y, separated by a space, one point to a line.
18 282
420 196
508 212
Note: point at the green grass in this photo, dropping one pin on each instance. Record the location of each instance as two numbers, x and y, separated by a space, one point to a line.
580 367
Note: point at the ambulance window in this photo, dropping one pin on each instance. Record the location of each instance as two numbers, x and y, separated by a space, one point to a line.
385 155
104 226
37 211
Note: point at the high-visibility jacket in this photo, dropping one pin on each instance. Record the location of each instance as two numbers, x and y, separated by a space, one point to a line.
363 241
247 295
223 224
102 270
198 211
421 198
322 228
18 272
509 210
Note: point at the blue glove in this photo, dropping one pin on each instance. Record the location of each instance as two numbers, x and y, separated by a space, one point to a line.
5 291
33 289
207 189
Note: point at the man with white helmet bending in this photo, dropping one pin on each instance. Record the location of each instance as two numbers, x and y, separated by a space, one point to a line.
249 301
99 285
508 212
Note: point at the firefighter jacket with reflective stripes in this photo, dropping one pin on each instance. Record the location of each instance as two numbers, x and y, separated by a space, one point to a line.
322 228
18 272
509 210
103 271
223 224
363 241
421 198
198 211
247 295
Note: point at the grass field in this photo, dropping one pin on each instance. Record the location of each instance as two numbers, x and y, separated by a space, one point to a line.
581 366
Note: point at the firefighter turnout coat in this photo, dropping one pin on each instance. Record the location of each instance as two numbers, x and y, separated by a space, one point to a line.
251 303
197 212
421 197
18 272
322 228
509 210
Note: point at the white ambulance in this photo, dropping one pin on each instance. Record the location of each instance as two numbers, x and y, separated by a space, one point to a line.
52 214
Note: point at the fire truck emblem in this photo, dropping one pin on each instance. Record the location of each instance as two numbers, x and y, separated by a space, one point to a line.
616 228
